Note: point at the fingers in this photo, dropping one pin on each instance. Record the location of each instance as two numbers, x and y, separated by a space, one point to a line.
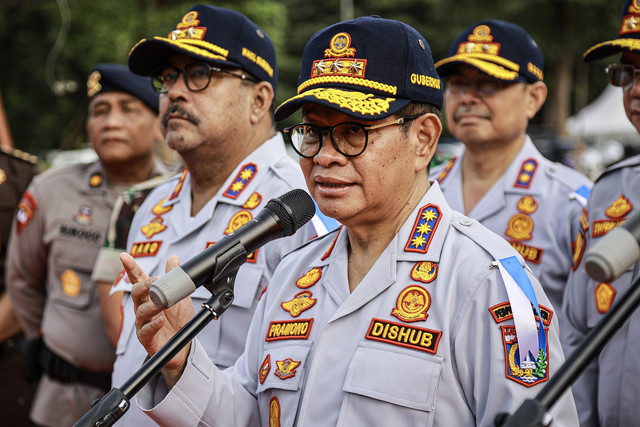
135 273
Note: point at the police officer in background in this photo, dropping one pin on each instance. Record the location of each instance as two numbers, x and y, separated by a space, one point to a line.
607 392
217 75
401 316
58 230
493 86
17 168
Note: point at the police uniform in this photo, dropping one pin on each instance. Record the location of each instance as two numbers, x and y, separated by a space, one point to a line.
606 393
163 226
59 228
17 168
427 338
531 206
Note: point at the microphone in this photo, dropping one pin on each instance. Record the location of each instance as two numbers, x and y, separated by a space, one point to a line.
281 217
618 250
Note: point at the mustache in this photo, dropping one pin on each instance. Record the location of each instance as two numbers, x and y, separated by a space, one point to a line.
177 109
470 109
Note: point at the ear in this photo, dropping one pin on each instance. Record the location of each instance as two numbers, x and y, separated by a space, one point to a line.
262 99
427 129
537 96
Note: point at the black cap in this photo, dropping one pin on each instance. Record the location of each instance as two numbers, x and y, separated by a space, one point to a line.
629 35
367 68
213 35
118 78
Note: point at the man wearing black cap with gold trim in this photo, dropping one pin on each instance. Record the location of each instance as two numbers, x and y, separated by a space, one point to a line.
607 392
217 74
494 85
58 230
400 317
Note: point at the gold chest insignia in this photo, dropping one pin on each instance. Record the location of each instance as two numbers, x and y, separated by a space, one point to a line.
619 208
424 271
265 368
95 180
254 200
158 209
238 220
605 294
71 283
154 227
310 278
527 204
301 301
286 368
412 304
520 227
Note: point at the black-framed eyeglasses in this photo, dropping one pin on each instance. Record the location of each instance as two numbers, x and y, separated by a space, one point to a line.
349 138
484 86
196 76
622 75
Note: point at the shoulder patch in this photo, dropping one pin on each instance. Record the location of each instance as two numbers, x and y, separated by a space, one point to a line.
244 177
527 171
423 229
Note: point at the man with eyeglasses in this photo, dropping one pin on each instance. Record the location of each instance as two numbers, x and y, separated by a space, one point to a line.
400 317
607 392
216 74
493 86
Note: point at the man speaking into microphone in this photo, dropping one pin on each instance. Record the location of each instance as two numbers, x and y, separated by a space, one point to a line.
216 73
606 393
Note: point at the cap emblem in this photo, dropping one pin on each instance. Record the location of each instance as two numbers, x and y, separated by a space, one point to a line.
335 63
188 28
480 41
93 84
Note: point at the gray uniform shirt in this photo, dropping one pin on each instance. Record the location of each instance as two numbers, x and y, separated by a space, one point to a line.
607 392
534 206
426 339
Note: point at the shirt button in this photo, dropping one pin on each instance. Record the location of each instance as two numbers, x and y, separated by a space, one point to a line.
280 164
466 222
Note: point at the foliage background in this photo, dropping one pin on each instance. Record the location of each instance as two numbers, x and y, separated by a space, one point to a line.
105 31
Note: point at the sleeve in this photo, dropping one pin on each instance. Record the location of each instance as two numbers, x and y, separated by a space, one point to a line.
484 356
573 331
27 263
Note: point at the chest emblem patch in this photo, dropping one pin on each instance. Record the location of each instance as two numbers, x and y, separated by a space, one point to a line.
605 295
253 201
154 227
619 208
520 227
238 220
310 278
424 271
71 283
533 371
527 204
301 301
408 336
286 368
412 304
84 215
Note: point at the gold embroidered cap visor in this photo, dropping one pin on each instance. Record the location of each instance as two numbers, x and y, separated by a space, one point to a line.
359 105
611 47
505 70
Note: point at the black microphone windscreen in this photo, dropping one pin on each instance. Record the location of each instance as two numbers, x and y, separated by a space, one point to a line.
294 209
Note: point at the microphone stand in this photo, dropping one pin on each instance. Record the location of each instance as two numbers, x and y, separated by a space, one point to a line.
532 411
111 407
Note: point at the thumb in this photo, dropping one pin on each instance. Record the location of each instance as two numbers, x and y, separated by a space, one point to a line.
172 262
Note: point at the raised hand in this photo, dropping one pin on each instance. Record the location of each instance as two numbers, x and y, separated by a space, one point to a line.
155 326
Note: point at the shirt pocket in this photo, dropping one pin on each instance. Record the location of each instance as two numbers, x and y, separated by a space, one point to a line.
383 385
280 379
71 284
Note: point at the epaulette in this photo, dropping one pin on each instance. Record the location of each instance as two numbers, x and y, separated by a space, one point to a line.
14 152
630 162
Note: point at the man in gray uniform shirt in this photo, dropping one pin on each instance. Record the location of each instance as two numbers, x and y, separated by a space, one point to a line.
607 392
493 79
58 230
411 314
